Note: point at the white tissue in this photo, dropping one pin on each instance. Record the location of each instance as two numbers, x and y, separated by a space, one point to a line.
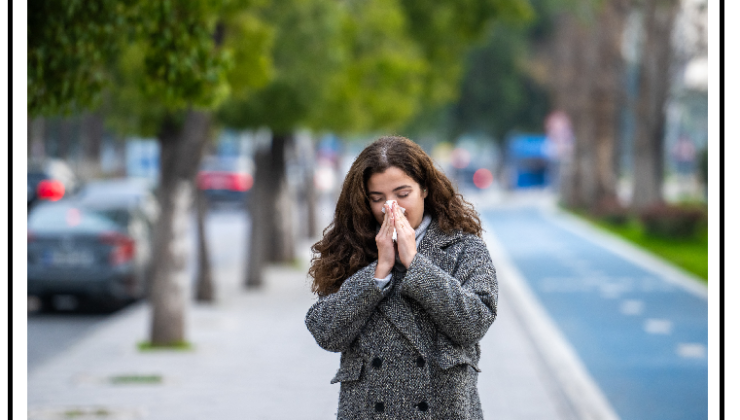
389 202
403 210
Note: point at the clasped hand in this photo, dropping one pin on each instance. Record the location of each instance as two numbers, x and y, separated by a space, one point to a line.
405 245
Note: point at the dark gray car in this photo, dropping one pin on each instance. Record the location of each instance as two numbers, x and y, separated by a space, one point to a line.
82 254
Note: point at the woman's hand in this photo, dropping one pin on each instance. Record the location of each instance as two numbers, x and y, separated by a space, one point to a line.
386 248
406 237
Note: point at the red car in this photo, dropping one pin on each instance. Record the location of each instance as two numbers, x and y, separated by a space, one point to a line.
226 180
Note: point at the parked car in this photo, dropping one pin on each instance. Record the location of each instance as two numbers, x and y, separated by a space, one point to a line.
83 255
129 202
50 180
133 195
225 180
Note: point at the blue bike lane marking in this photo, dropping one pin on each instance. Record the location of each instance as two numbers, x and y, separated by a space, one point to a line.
642 338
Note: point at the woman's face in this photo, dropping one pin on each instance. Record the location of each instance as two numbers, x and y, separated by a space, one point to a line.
394 184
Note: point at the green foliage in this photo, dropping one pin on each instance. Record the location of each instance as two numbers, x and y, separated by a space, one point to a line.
499 91
177 346
346 66
673 222
123 104
249 41
307 53
498 94
70 44
182 67
446 29
148 60
135 379
363 65
702 165
691 254
87 413
381 85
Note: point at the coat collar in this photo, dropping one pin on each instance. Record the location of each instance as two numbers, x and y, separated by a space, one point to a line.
436 238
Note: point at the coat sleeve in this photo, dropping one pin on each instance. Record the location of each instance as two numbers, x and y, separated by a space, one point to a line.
336 320
464 306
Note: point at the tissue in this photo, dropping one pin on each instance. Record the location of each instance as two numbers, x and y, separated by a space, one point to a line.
392 203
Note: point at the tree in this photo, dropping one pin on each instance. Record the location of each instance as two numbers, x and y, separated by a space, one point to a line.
189 69
172 71
654 86
333 71
584 70
498 92
70 45
348 67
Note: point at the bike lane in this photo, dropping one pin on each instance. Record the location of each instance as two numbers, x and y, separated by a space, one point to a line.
641 336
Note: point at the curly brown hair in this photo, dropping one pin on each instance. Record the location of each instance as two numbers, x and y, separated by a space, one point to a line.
349 241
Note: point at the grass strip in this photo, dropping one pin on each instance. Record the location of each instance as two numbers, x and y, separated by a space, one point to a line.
691 254
178 346
136 379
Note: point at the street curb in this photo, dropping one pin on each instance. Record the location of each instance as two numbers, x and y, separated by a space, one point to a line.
581 391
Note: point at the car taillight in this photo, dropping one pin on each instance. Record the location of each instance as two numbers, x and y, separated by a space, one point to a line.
482 178
241 182
123 247
50 189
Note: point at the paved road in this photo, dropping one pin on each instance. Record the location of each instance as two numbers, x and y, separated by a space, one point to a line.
642 337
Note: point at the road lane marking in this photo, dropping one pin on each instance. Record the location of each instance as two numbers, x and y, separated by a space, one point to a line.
691 350
658 326
632 307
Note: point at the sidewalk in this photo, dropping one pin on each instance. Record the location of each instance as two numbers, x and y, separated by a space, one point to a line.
255 359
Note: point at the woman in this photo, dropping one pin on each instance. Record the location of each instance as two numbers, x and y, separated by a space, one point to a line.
408 314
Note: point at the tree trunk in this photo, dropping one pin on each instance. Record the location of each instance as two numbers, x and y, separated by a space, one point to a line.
607 99
560 79
36 127
181 149
310 186
654 85
577 102
271 238
586 68
257 234
92 139
64 139
308 155
204 285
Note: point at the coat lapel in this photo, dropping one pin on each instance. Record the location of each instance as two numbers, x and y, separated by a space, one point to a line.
398 310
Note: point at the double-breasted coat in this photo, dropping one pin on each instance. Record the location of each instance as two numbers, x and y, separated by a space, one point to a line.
411 350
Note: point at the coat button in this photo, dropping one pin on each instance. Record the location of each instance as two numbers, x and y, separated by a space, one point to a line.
423 406
420 362
379 407
377 363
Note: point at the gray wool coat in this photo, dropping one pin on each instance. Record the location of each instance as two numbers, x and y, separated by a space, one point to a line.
410 351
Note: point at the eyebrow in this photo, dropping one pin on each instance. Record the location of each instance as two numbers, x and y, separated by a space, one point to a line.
395 189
